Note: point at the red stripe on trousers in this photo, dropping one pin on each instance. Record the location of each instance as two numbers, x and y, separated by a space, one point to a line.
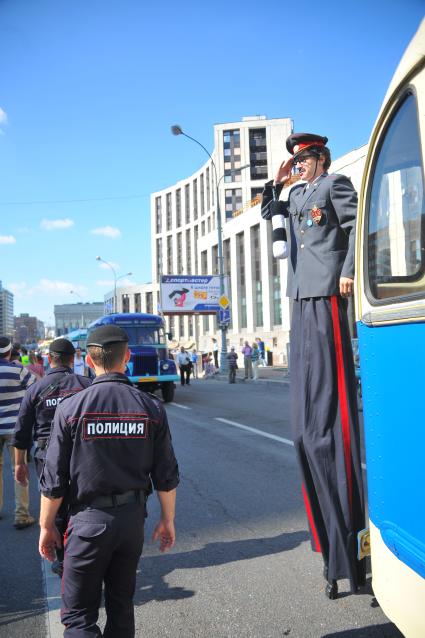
342 395
317 547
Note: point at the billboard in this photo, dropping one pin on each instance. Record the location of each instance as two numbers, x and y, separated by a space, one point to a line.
191 294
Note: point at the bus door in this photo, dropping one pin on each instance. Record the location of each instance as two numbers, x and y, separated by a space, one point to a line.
390 316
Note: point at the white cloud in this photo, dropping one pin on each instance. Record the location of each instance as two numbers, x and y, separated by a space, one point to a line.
3 116
18 288
56 224
47 287
106 267
107 231
105 283
109 283
7 239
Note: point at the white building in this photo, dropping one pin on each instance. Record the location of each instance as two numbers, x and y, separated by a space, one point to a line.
185 241
6 312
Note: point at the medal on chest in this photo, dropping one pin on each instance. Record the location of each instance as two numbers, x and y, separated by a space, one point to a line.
316 214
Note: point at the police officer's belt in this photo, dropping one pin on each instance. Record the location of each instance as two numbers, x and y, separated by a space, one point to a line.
42 443
114 500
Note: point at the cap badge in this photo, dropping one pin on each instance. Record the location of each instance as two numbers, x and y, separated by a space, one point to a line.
316 214
296 148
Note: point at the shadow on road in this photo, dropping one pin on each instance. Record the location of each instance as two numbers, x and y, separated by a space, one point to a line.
151 581
373 631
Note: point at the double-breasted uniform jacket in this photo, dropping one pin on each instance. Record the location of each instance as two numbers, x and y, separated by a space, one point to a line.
320 232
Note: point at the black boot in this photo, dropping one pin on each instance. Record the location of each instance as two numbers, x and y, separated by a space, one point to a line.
331 589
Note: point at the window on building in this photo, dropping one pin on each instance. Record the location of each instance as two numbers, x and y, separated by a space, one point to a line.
240 251
233 201
258 153
158 258
214 255
168 210
207 178
149 303
187 203
202 229
202 194
169 255
232 155
209 224
137 302
190 325
188 253
256 193
195 247
179 254
195 199
256 275
178 207
181 326
158 214
125 299
213 220
204 262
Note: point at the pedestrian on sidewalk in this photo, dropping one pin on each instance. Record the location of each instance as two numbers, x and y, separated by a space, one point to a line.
255 358
232 362
321 217
14 381
262 352
185 364
194 360
247 360
215 352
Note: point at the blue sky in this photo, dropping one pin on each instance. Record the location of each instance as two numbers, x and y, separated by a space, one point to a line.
89 90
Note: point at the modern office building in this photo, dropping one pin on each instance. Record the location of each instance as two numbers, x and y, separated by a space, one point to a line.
28 329
184 236
6 312
71 316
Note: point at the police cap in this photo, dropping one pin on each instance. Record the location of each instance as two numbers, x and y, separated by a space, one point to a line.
5 345
105 335
62 346
298 142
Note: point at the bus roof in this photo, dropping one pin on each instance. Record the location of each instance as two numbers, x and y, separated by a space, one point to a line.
128 319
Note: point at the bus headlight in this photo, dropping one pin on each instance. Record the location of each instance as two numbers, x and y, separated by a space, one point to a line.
165 366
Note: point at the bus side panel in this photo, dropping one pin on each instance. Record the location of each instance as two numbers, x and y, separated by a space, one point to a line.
392 360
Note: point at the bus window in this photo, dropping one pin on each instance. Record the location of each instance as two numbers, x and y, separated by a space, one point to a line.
143 335
396 224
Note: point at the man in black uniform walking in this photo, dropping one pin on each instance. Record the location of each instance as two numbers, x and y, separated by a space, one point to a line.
36 417
321 215
108 444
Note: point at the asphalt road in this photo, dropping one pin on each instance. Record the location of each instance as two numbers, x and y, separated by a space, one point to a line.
242 565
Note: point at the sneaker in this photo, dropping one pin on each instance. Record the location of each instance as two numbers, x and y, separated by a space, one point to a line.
22 523
57 567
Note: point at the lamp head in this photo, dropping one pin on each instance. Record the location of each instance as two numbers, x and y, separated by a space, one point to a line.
176 129
98 258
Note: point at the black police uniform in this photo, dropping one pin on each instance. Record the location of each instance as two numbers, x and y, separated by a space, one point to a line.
108 444
320 232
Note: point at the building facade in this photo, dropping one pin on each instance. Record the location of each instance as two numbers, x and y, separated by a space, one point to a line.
6 312
28 329
184 237
72 316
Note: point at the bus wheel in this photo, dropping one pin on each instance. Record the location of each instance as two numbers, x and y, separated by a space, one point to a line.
168 392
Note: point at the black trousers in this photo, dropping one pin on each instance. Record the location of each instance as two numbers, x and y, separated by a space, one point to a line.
185 374
102 546
325 427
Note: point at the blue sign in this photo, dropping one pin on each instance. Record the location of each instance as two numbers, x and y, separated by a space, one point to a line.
224 316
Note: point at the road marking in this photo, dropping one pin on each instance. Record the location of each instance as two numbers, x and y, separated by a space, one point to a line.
266 435
178 405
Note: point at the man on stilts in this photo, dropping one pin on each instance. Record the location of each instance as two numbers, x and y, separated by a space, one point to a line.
320 222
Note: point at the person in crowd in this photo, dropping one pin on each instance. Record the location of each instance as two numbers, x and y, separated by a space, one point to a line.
185 365
24 357
194 359
109 444
255 359
209 368
232 362
36 416
35 366
321 216
247 360
15 355
215 352
262 352
14 381
79 363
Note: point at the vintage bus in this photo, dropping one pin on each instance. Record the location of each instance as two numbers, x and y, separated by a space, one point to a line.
390 317
150 367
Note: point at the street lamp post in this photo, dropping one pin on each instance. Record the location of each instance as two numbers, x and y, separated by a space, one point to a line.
98 258
177 130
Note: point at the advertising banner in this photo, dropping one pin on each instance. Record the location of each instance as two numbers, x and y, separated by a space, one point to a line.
190 294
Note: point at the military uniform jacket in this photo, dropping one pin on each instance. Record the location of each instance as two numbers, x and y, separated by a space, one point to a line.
35 416
320 223
108 439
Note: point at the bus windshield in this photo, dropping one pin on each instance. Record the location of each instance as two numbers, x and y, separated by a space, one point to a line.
144 335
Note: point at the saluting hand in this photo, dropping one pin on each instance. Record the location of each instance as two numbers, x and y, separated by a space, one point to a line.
165 532
346 286
284 171
49 540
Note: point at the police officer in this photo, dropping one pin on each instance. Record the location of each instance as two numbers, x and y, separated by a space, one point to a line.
321 215
108 444
36 416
